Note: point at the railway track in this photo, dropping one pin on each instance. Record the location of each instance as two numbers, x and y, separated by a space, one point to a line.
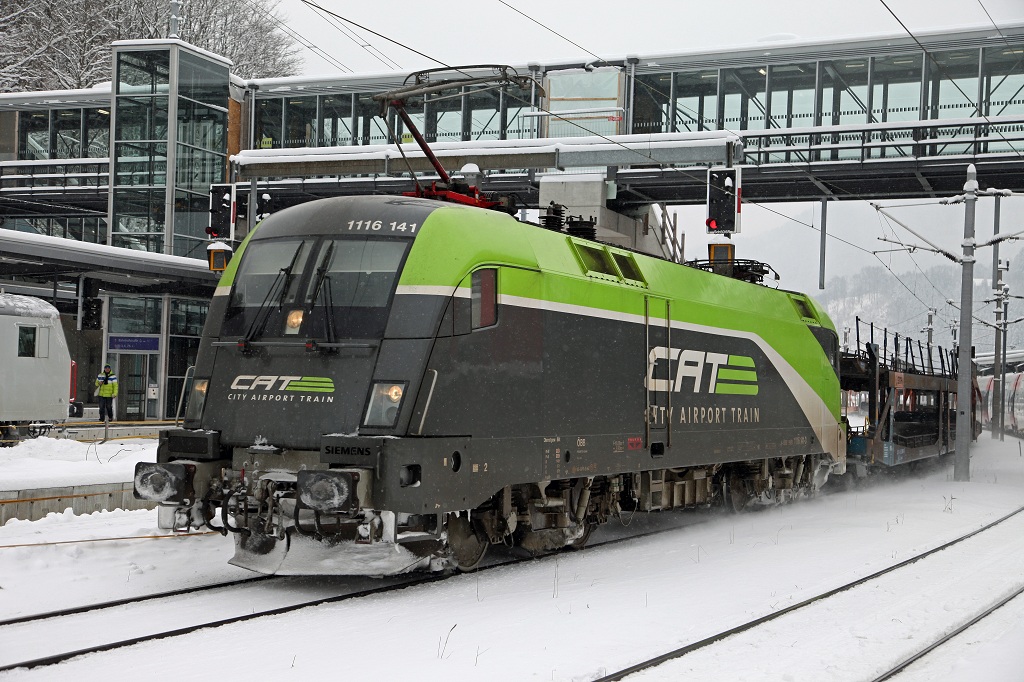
29 642
810 608
925 651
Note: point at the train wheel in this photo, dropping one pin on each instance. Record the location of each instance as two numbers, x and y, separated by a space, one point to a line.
468 548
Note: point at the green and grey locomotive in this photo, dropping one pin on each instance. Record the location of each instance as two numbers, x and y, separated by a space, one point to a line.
388 383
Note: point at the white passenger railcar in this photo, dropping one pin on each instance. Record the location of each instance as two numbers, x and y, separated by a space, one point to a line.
35 367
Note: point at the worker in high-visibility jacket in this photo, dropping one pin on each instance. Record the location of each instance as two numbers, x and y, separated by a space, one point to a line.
106 389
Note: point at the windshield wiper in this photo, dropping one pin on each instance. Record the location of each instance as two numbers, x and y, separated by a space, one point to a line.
321 277
284 275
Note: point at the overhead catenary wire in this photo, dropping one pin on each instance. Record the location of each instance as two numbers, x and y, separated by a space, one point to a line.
952 81
298 38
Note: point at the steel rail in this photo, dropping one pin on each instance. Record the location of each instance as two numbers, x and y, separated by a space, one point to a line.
413 581
942 640
689 648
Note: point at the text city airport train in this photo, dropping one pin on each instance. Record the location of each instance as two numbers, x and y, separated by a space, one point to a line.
386 384
36 368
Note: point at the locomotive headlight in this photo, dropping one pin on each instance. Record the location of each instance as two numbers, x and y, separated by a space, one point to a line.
328 491
384 403
293 322
197 399
167 482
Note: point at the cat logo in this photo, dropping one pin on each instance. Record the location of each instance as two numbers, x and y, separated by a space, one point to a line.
727 374
250 382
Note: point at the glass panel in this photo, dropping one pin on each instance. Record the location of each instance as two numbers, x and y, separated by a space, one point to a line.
897 88
517 126
744 93
202 126
202 80
135 315
139 218
269 123
578 90
198 169
1003 83
33 135
792 95
97 133
953 84
845 92
484 296
485 115
187 318
371 128
67 134
181 355
443 121
359 276
26 342
1004 80
262 271
696 101
143 72
141 163
141 118
336 115
191 218
300 120
651 113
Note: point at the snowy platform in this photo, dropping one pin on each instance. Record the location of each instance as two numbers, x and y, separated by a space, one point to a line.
47 475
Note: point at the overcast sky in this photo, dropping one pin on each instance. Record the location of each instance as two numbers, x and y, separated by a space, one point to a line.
488 31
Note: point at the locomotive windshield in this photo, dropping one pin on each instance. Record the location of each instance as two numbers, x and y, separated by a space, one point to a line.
325 288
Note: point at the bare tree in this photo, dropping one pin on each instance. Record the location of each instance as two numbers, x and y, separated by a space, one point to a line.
22 45
61 44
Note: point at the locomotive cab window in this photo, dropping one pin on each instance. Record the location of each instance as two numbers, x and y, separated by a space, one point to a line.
327 288
485 298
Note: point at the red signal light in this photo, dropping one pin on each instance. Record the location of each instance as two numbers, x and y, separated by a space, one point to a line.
712 224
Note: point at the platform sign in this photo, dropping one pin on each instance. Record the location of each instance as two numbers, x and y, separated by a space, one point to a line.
133 343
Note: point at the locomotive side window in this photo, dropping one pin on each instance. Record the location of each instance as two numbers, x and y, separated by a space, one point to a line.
485 298
26 342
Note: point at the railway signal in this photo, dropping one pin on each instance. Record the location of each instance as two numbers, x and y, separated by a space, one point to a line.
221 211
724 196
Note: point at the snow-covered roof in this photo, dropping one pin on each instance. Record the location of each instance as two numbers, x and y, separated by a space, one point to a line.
26 306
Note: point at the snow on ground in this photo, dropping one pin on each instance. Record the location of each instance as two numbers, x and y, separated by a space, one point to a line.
570 617
55 462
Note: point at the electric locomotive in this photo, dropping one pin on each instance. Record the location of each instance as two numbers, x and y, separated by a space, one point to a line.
391 383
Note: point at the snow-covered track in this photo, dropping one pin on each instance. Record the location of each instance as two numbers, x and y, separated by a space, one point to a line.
985 613
669 657
49 641
84 608
51 638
